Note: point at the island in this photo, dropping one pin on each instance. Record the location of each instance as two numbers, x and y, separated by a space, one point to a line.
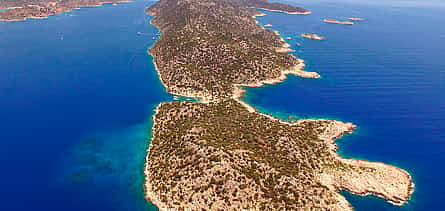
355 19
18 10
312 36
220 153
338 22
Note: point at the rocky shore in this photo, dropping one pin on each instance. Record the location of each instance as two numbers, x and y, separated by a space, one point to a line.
222 154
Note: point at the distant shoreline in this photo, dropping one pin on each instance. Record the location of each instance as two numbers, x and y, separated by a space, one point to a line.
59 12
290 13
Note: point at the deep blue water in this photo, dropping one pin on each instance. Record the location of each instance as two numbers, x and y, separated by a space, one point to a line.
77 92
385 74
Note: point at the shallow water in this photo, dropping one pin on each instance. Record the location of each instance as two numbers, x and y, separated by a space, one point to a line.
384 74
77 92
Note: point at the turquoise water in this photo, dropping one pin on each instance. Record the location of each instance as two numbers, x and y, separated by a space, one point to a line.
77 93
385 74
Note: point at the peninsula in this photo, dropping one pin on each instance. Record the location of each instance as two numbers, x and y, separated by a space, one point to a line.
220 153
18 10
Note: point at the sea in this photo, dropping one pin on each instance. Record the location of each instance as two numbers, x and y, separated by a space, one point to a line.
78 91
77 94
